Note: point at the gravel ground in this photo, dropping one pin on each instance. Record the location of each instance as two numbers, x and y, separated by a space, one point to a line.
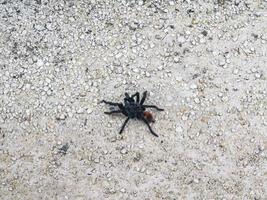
203 61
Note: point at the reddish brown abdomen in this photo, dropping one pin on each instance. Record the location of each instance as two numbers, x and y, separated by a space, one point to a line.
148 116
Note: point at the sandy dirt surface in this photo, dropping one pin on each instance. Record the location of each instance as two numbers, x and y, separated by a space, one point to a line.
204 62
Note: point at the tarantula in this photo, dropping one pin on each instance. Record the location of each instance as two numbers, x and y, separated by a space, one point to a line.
134 108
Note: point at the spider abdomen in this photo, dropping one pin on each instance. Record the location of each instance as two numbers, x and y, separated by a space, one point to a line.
148 116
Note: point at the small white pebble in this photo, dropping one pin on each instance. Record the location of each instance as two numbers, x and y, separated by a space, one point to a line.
197 100
118 55
49 92
171 3
79 110
123 151
179 78
235 71
184 118
222 62
257 75
148 74
202 41
253 70
143 169
179 129
225 99
89 110
160 68
181 39
193 86
40 63
136 70
176 59
196 180
140 3
220 95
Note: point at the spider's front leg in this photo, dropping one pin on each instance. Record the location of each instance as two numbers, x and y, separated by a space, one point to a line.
112 112
120 105
124 124
137 95
110 103
143 98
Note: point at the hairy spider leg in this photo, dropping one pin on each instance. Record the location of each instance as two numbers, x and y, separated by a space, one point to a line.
114 111
147 123
110 103
143 98
152 106
127 95
128 98
120 105
124 124
137 95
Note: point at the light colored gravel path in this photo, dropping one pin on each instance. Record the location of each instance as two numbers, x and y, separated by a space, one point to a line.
204 61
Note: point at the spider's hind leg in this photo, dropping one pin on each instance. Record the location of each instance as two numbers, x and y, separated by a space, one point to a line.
152 106
149 127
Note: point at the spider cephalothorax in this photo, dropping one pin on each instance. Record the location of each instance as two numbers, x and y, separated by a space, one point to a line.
132 108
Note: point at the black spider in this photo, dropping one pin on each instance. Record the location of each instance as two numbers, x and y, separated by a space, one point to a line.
134 108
